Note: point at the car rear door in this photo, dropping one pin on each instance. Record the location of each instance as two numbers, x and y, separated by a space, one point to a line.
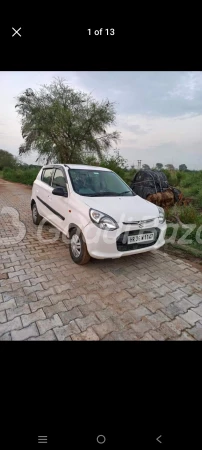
43 191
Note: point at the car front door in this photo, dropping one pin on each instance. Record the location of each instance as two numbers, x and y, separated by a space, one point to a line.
43 191
58 204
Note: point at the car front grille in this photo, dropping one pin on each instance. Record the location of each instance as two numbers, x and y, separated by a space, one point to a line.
122 240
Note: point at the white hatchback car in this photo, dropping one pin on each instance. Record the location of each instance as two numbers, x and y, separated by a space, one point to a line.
97 211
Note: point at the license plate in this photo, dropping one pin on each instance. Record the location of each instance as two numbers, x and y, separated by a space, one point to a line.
140 238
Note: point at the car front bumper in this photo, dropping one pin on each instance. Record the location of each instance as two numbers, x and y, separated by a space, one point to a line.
107 244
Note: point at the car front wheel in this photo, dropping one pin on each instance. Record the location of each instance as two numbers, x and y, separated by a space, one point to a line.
35 215
78 248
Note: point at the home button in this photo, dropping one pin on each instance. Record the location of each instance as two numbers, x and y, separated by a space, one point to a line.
101 439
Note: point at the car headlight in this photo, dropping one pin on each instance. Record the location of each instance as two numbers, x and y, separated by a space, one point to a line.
102 220
161 215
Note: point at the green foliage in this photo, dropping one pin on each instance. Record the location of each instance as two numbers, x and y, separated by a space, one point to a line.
182 167
62 124
20 175
159 166
171 177
187 214
7 159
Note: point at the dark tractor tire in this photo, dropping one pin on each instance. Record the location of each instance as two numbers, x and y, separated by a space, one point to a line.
35 215
78 248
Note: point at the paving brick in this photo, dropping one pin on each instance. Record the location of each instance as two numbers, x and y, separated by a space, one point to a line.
23 299
6 305
168 332
60 297
48 324
154 305
88 335
37 280
68 316
195 299
198 310
190 317
140 312
91 307
6 337
8 281
63 287
71 303
178 294
16 274
7 288
185 337
196 331
32 317
14 312
157 335
88 298
178 325
54 309
147 337
140 328
166 300
3 317
14 324
32 289
65 331
104 328
88 321
48 336
157 318
25 333
40 304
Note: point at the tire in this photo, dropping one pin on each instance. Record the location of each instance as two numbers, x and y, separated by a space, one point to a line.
35 215
78 248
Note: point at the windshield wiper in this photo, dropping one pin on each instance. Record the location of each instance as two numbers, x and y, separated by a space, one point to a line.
102 194
125 192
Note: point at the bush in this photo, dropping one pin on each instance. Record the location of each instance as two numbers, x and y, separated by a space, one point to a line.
187 214
18 175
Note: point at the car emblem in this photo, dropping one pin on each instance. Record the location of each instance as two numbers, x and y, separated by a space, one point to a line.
140 224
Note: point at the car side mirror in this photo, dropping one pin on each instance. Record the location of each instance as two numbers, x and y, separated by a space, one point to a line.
59 191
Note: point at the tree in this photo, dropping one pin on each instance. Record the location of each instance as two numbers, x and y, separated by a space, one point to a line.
145 166
7 159
182 167
64 125
159 166
170 167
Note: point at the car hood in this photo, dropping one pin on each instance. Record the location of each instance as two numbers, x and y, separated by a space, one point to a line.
124 209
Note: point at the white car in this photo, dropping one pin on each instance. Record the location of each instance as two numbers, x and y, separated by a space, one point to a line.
97 211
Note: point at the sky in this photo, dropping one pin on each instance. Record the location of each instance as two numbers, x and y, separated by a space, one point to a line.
159 114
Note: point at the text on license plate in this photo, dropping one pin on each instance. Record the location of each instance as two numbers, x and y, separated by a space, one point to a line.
140 238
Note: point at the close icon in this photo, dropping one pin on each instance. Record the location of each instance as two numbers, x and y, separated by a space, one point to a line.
159 439
16 32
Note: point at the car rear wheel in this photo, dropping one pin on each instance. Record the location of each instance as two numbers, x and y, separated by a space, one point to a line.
78 248
35 215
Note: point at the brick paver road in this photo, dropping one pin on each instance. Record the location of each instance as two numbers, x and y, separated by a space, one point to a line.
45 296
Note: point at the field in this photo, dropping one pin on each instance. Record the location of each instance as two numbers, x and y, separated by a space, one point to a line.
178 217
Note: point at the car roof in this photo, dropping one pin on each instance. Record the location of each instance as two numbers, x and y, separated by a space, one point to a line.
77 166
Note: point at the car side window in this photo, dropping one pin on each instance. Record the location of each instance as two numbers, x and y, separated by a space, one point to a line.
47 175
59 179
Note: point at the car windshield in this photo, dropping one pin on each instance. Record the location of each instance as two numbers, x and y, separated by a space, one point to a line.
98 183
